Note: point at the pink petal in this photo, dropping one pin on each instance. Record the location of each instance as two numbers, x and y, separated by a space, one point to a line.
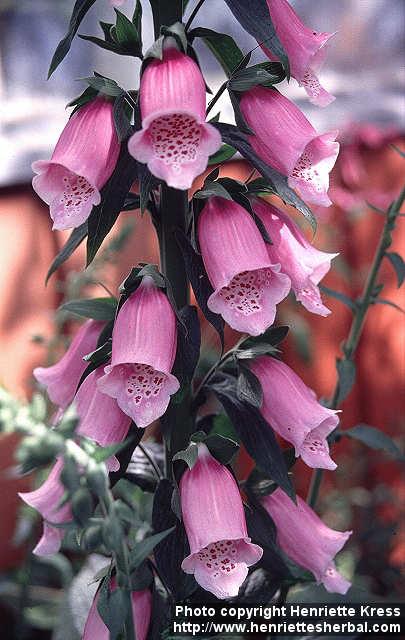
62 378
334 582
292 410
222 586
248 302
82 162
310 176
304 264
50 542
247 286
144 401
303 536
100 417
306 49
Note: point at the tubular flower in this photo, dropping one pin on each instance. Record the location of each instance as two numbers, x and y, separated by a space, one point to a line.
143 352
82 162
286 140
175 141
305 48
46 500
101 419
247 284
291 408
62 378
95 628
304 265
214 519
303 536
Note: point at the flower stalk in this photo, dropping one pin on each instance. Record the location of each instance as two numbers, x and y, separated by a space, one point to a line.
367 298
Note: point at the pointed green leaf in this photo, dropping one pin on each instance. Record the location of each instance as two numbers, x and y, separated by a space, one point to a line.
374 438
399 266
101 309
81 7
144 548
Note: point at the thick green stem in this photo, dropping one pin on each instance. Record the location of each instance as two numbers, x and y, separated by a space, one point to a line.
173 208
366 299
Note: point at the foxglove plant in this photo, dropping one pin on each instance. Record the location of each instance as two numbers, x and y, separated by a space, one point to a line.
144 344
289 143
61 379
47 500
306 49
175 141
318 544
83 160
304 265
220 548
247 283
185 526
291 408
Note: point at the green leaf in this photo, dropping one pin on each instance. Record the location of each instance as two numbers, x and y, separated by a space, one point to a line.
189 455
255 433
87 96
103 44
266 74
122 117
81 7
226 152
126 35
342 297
177 32
113 195
346 370
374 438
212 189
102 309
232 136
144 548
248 387
399 266
222 46
222 448
265 343
254 16
104 85
75 239
82 505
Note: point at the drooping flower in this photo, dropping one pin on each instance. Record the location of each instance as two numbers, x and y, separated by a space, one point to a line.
95 628
143 352
175 141
117 3
304 265
46 500
83 160
62 378
100 417
306 50
286 140
247 284
292 410
214 519
303 536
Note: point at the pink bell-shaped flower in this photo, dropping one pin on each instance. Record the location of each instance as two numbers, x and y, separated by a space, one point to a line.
292 410
214 519
95 628
46 500
286 140
143 352
248 285
303 536
100 417
304 265
175 141
62 378
82 162
305 48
